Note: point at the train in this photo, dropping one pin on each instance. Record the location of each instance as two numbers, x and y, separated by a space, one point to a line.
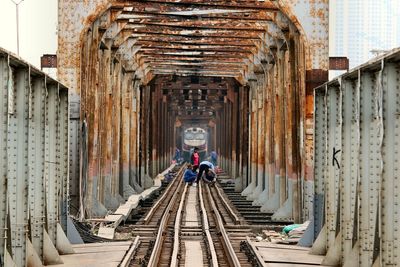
194 137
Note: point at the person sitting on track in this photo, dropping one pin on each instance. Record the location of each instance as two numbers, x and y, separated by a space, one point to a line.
190 175
207 168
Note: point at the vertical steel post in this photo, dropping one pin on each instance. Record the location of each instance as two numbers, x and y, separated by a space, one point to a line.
320 159
390 203
17 177
5 86
334 145
349 164
63 157
36 164
370 167
51 147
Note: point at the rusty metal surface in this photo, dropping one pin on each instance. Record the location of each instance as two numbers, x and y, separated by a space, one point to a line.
152 23
189 61
338 63
48 61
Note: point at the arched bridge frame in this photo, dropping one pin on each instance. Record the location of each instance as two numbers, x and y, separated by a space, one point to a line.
276 56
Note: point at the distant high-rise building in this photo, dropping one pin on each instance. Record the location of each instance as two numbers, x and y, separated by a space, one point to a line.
361 29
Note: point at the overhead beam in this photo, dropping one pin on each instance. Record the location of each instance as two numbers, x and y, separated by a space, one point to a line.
199 33
250 16
163 5
195 25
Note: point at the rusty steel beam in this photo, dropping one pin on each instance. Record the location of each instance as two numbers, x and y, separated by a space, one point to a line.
183 61
153 52
191 62
187 56
196 5
216 66
225 73
195 25
247 16
178 40
199 33
195 49
124 35
200 47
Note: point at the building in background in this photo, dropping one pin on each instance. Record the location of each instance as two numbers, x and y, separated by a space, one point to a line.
362 29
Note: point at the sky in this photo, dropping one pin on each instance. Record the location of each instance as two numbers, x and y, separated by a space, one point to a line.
37 27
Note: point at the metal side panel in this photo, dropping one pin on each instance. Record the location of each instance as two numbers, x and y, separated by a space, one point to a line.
369 198
74 153
63 156
391 171
4 78
17 177
334 124
74 165
319 159
51 160
370 167
36 164
349 164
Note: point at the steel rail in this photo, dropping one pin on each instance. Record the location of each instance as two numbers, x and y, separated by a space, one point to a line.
129 254
206 227
155 254
220 225
232 214
177 229
156 205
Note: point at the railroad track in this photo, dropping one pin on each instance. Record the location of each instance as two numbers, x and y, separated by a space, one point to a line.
191 226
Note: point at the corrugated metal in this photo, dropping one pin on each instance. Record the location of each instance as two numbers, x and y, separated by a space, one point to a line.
357 141
34 158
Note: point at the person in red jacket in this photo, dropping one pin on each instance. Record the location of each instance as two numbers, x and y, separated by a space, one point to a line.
195 159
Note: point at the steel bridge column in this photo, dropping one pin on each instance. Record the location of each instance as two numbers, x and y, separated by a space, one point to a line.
124 141
294 93
253 130
91 110
229 137
144 103
286 184
168 150
133 138
225 136
235 130
105 91
18 168
153 138
242 181
260 141
116 129
263 185
221 138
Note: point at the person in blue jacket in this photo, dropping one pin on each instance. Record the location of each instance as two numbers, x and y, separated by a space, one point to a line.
189 176
214 157
207 168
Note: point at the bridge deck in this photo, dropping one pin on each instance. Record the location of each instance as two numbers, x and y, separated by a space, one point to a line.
109 254
277 255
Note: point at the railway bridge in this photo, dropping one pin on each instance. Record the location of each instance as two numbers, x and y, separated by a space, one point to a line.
291 146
